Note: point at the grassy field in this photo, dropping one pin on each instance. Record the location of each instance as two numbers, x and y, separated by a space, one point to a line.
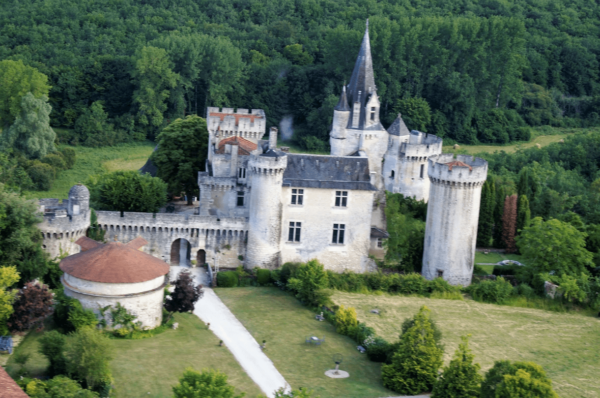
566 345
493 257
272 315
94 161
150 367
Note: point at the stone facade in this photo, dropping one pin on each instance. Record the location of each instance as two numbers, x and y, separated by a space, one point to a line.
452 217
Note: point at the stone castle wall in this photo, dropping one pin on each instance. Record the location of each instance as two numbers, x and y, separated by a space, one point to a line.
60 231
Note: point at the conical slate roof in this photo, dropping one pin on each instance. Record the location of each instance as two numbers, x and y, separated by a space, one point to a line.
362 82
343 102
398 127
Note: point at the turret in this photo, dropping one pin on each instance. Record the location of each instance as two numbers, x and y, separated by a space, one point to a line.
264 222
452 217
79 200
341 114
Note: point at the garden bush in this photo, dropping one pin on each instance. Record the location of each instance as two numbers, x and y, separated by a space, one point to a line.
55 160
288 270
378 349
52 345
412 284
69 156
345 318
496 291
512 269
42 175
227 279
263 276
310 283
515 380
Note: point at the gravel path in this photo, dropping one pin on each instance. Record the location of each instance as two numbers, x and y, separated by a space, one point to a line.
235 336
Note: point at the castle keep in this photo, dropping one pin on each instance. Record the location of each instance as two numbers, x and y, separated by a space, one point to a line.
262 206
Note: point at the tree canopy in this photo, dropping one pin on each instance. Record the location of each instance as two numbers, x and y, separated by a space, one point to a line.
208 383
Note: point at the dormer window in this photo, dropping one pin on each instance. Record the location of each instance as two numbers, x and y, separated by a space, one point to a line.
372 113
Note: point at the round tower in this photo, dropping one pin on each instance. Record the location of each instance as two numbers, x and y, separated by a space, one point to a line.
341 114
452 217
79 200
264 223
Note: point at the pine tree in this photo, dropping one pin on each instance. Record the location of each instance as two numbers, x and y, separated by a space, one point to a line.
509 223
415 365
461 379
95 232
486 214
523 182
523 213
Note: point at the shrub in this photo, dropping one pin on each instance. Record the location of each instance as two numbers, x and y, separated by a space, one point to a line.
440 285
55 160
263 276
227 279
69 157
378 349
345 318
58 387
512 269
52 345
497 291
415 365
525 290
209 383
309 283
79 317
185 295
88 354
42 175
437 333
33 304
288 270
412 284
360 332
461 378
516 380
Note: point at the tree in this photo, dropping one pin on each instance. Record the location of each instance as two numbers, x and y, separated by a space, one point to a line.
554 246
32 305
185 295
181 153
58 387
509 223
31 133
517 380
8 277
154 78
415 364
93 128
16 81
209 383
42 175
523 213
127 191
461 379
309 283
406 226
415 112
302 393
52 345
485 228
20 239
95 232
345 319
88 354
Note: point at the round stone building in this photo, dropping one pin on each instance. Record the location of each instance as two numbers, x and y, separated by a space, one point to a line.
106 274
452 217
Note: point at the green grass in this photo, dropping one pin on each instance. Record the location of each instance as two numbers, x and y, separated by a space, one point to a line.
488 269
567 345
155 364
493 257
277 317
95 161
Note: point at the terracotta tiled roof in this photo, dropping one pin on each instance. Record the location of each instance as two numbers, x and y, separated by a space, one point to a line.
87 243
244 146
114 263
237 116
457 163
137 243
8 387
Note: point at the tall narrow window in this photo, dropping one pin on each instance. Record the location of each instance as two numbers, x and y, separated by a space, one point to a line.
379 242
338 234
297 196
240 198
341 198
294 231
373 113
241 172
392 174
422 170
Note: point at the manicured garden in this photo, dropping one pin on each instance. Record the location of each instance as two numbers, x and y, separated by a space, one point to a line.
277 317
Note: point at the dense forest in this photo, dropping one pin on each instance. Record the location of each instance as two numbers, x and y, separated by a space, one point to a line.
487 69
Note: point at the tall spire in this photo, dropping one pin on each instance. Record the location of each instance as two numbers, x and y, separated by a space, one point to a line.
343 102
362 82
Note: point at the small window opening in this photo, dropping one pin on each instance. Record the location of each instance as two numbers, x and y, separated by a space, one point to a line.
240 199
294 231
392 174
297 196
241 172
422 170
439 274
341 198
338 234
379 242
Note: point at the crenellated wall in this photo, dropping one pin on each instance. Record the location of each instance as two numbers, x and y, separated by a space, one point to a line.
59 230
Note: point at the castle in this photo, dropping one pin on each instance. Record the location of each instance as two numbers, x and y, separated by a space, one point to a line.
263 206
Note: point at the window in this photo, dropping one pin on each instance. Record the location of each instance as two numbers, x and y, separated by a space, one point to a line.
240 198
379 242
241 172
440 273
297 196
392 174
294 233
338 234
341 198
422 170
373 113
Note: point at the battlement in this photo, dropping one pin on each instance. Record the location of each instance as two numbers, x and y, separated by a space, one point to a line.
217 183
420 146
271 162
463 171
168 220
225 122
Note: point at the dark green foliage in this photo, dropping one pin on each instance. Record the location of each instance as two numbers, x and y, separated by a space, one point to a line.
414 367
94 231
288 270
415 112
42 175
516 380
185 295
406 226
461 379
227 279
181 153
69 156
379 350
13 173
52 277
491 291
485 228
55 160
209 383
58 387
69 315
523 213
52 345
92 127
127 191
437 333
309 284
263 276
88 353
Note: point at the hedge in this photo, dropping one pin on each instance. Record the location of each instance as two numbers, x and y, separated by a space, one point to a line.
263 276
227 279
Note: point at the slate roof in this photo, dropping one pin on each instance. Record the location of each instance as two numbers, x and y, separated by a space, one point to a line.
244 146
8 387
328 172
114 263
398 127
149 167
379 233
342 104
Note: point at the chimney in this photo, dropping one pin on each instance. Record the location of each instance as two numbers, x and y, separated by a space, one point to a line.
273 138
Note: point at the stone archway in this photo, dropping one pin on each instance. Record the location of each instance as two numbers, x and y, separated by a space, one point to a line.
181 252
201 257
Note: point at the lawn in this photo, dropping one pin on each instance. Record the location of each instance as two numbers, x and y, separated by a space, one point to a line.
494 257
95 161
150 367
277 317
566 345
